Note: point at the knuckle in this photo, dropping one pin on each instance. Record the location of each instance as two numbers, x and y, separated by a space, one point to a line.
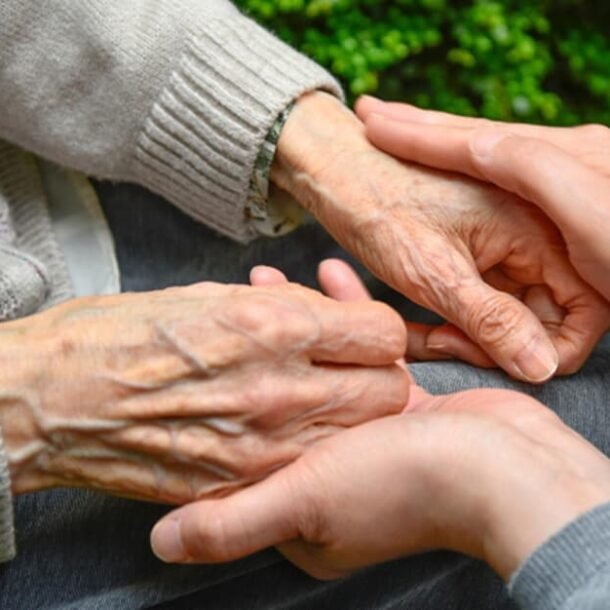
273 320
208 540
526 148
249 314
493 320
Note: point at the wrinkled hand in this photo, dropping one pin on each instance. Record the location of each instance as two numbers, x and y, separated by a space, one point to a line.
491 264
564 171
190 392
491 473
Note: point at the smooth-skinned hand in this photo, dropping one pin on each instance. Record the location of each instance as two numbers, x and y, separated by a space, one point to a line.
190 392
490 473
494 266
563 171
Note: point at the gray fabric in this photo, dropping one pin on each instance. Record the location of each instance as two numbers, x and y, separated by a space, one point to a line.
177 95
40 277
571 571
23 283
7 533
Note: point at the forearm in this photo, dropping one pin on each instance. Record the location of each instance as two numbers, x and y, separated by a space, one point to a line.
177 96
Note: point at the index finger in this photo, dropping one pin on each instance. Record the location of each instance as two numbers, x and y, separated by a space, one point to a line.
401 112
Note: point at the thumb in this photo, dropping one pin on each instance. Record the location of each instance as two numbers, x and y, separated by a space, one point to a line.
215 531
507 330
261 275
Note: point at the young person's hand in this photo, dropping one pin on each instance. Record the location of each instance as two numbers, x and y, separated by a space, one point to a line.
564 171
491 473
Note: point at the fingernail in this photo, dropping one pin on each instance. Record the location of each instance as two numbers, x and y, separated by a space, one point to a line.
436 346
166 541
440 347
538 361
485 141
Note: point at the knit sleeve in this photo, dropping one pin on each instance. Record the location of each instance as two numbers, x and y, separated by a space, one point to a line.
7 533
176 95
571 571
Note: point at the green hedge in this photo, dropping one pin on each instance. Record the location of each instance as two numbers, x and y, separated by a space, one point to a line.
527 60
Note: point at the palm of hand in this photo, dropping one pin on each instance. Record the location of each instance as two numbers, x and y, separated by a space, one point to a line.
394 486
414 490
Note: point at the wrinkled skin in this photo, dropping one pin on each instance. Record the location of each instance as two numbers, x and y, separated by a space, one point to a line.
491 264
491 473
189 392
563 171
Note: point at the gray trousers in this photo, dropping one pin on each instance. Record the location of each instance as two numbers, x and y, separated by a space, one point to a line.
84 550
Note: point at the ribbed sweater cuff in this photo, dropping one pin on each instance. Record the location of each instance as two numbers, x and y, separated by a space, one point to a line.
7 530
200 142
565 563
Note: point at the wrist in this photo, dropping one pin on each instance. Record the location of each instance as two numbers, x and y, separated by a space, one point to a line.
529 504
22 363
318 131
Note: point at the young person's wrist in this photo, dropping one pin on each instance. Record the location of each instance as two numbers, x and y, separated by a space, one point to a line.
536 496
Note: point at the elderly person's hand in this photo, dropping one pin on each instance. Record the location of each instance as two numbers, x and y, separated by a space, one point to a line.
488 262
491 473
564 171
190 392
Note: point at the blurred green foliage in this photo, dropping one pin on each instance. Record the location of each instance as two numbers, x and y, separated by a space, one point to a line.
542 61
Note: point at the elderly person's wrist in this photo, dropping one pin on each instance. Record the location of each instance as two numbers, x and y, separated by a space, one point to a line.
318 130
22 366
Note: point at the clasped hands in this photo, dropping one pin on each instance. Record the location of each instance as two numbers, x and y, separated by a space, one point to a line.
490 473
433 479
199 392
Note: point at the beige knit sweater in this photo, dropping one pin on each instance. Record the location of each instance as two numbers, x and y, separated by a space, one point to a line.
176 95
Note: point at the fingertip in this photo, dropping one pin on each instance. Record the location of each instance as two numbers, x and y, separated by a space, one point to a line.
166 541
262 275
340 282
452 342
538 361
366 104
508 331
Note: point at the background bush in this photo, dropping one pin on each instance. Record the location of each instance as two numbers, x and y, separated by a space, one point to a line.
528 60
